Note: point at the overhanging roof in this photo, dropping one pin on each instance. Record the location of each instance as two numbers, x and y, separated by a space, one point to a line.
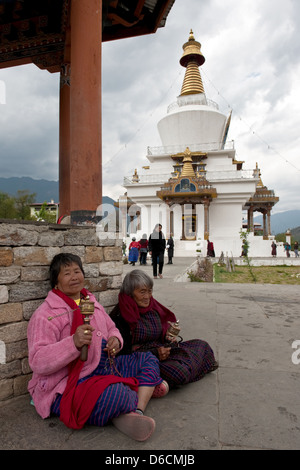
33 31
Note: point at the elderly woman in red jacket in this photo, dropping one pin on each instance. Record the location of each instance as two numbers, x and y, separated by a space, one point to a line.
104 387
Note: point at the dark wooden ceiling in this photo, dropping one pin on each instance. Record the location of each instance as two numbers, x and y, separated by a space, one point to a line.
34 30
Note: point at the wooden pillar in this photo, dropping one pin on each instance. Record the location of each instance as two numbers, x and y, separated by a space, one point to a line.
250 219
265 236
64 130
206 220
64 141
182 223
85 109
269 221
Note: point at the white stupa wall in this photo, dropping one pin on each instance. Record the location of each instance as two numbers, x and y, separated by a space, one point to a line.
202 125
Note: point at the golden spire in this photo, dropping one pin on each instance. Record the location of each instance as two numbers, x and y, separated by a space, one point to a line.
192 58
187 169
260 183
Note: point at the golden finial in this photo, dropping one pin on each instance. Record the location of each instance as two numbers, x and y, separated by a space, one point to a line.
192 58
187 169
135 177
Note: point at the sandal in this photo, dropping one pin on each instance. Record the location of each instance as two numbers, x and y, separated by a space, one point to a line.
161 390
134 425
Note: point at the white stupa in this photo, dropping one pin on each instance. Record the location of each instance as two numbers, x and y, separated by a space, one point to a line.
193 185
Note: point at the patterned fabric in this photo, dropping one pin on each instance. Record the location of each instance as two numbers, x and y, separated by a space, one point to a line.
118 398
188 362
133 255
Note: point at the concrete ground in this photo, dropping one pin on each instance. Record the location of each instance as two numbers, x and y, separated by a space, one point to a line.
251 402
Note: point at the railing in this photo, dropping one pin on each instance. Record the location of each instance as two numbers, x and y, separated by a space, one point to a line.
192 99
205 147
211 176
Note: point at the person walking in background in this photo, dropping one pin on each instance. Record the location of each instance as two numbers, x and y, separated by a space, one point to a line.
210 249
273 249
170 248
144 249
287 248
134 248
296 248
157 246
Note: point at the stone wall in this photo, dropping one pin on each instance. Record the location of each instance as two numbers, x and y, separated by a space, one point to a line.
26 250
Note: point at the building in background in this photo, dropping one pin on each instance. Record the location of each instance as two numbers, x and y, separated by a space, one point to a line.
193 185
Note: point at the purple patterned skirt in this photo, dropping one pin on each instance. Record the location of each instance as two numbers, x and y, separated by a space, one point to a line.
119 398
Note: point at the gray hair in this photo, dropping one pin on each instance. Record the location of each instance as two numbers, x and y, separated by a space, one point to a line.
135 279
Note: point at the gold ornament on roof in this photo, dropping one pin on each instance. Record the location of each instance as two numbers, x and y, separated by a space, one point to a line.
192 58
187 169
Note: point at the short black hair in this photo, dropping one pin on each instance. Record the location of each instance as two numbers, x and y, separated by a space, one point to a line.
62 259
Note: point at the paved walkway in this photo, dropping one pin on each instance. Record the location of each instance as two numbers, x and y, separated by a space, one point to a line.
251 402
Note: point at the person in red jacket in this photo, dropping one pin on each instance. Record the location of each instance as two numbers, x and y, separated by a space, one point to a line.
134 249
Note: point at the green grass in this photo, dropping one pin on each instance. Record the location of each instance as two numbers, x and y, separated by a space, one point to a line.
263 274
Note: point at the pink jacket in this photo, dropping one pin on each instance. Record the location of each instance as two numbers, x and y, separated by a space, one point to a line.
51 348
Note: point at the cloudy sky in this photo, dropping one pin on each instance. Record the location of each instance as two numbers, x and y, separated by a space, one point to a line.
252 51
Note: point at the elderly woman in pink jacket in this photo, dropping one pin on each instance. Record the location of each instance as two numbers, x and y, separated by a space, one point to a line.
101 389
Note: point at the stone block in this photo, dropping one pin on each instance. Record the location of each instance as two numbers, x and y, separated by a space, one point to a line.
30 307
111 268
98 284
51 239
10 369
25 366
6 256
13 332
3 294
108 298
17 350
6 389
16 235
9 275
106 238
93 254
81 236
28 291
75 250
116 282
112 253
11 312
21 384
91 270
35 273
31 256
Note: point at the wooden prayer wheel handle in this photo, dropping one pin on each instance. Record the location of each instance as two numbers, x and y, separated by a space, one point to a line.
84 352
87 309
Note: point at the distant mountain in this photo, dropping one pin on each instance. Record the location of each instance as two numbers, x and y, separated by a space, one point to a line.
296 233
282 221
45 190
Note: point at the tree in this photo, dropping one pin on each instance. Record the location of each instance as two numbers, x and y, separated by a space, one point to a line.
44 215
7 207
22 202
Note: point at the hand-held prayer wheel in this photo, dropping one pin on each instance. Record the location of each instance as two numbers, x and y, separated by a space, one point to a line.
87 309
173 330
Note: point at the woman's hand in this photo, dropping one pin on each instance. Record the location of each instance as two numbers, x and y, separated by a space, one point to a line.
171 338
163 353
112 346
83 335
